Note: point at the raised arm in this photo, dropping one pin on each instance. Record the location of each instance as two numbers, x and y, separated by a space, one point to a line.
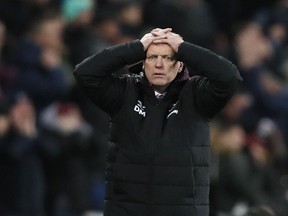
218 78
95 74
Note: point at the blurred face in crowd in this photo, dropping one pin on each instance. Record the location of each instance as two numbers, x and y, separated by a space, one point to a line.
161 68
232 139
49 33
2 34
4 124
22 111
131 15
69 117
109 29
85 17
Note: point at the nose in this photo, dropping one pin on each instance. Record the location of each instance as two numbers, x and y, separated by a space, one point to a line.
159 62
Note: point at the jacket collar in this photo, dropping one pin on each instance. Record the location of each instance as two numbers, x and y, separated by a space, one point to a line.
172 90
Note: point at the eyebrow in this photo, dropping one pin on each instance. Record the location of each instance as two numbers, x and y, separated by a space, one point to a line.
163 56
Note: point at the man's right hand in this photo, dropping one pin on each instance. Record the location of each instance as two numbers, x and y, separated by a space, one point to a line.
172 39
154 35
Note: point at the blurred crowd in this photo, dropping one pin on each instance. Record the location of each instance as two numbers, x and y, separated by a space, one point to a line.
53 140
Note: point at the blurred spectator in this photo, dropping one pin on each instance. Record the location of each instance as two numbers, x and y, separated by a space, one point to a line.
238 12
228 148
269 95
5 187
4 118
20 14
78 17
130 19
106 29
258 159
39 59
193 19
72 162
7 72
104 32
226 19
246 175
274 23
231 119
20 161
236 107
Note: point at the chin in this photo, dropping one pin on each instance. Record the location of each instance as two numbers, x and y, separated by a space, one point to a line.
159 84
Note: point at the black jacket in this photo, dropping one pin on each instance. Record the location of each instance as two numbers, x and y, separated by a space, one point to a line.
159 157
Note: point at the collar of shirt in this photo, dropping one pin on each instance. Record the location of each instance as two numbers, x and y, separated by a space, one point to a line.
159 95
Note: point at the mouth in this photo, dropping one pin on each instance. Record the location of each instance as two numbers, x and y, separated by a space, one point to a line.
158 75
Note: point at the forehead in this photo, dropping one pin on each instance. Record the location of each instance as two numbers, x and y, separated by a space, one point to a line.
160 49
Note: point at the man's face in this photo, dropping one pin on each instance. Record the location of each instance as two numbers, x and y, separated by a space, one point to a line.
160 66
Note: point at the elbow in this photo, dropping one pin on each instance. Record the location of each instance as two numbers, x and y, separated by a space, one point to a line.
76 71
84 66
233 78
236 73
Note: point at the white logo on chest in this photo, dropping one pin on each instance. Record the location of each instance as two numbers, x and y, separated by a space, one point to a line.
172 111
140 109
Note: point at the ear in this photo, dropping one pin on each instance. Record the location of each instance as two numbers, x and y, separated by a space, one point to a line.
181 65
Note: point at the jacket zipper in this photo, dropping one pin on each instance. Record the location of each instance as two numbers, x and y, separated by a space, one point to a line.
156 135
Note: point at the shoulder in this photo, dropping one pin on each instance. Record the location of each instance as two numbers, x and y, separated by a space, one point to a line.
197 80
132 78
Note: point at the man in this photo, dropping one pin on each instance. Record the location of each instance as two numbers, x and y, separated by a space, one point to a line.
159 157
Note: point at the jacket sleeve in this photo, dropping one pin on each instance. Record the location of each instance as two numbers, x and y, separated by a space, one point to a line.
217 81
95 74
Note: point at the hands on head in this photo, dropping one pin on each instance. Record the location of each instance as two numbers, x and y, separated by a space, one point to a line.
159 35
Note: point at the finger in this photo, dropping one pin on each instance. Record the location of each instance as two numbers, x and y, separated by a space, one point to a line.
160 37
156 29
160 40
173 34
159 31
